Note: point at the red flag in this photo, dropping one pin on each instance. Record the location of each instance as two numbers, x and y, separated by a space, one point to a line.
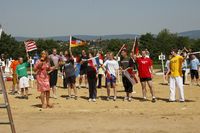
136 47
30 45
131 75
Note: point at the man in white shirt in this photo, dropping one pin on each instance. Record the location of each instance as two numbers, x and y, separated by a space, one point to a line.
111 66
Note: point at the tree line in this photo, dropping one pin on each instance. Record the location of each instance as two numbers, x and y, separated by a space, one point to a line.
163 42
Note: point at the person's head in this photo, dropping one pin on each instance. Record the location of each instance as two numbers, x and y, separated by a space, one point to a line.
54 51
169 57
66 53
124 53
193 56
144 53
111 56
90 55
44 56
83 53
20 60
61 53
174 52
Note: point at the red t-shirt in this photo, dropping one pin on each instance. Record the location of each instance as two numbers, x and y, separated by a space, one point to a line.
144 65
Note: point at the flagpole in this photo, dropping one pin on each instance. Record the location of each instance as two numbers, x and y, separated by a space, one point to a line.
133 49
70 39
31 68
120 50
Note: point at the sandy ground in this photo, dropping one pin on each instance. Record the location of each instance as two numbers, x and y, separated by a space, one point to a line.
81 116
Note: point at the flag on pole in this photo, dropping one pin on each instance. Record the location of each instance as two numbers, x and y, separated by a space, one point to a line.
1 30
75 42
94 62
131 75
136 46
30 45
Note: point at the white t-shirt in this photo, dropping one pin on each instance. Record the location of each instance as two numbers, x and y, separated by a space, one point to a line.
111 66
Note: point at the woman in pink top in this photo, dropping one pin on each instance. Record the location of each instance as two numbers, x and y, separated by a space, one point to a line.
41 68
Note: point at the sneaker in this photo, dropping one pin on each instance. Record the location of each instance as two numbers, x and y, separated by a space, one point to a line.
94 100
129 99
134 92
26 97
181 101
54 96
125 98
115 98
108 99
90 100
153 100
69 97
76 97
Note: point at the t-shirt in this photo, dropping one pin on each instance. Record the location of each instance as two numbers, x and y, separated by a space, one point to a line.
125 63
194 64
21 70
85 64
14 65
91 72
54 59
144 65
69 67
111 66
176 66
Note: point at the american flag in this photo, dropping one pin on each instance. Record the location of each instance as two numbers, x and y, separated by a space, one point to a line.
30 45
131 75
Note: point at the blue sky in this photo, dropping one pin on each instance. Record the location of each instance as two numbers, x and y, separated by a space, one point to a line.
42 18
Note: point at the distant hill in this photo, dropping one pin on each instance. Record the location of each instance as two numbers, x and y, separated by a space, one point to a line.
84 37
194 34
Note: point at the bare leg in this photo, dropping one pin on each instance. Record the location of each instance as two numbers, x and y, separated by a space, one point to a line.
26 91
42 95
115 90
22 92
69 91
86 83
47 99
80 80
108 89
143 89
150 84
54 92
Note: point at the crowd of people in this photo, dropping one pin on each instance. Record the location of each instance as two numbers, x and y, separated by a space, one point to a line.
48 66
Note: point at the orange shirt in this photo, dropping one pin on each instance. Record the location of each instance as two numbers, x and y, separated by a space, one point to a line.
14 65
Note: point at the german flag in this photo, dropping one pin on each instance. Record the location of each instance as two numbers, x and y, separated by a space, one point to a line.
75 42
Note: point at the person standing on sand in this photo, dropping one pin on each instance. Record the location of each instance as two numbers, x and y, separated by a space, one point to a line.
125 63
54 61
111 66
92 80
13 67
41 68
22 76
145 71
69 75
176 79
83 69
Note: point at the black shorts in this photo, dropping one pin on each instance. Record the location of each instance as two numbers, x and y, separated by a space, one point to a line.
127 84
194 73
71 80
145 79
83 71
53 78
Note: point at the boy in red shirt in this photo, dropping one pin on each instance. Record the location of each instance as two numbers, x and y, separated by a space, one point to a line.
13 67
145 71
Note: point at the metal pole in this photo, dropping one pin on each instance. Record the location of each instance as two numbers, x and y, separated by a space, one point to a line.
6 101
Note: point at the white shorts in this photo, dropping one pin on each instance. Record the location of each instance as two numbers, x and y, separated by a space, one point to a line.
23 82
